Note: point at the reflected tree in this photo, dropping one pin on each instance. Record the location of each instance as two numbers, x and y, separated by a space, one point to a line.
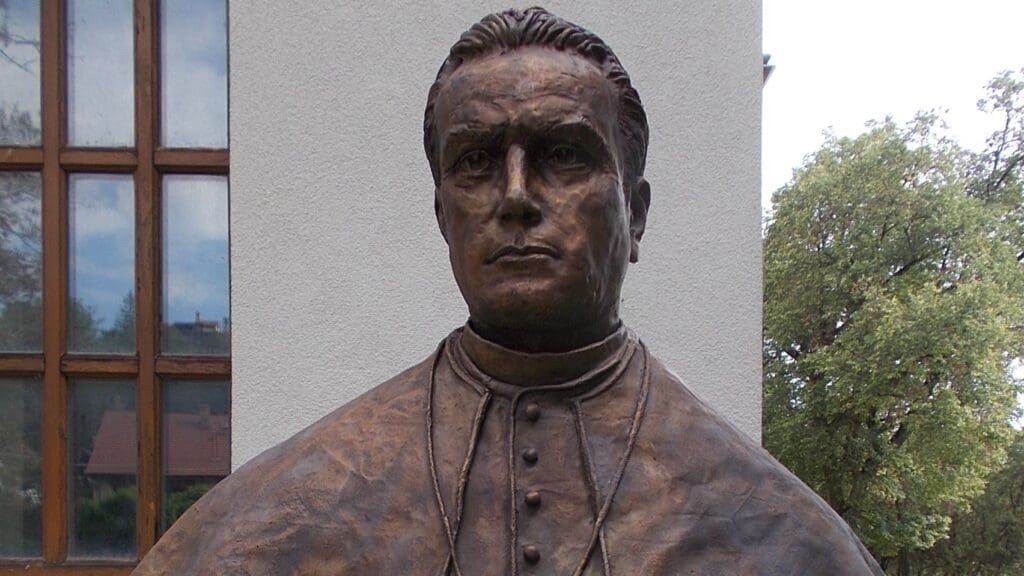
20 469
9 39
20 262
87 335
16 126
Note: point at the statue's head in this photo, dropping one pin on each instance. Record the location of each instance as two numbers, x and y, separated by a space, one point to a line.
537 142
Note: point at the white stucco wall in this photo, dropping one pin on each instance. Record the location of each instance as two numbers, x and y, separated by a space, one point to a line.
339 276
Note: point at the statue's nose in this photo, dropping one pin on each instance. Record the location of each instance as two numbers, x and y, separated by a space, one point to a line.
517 204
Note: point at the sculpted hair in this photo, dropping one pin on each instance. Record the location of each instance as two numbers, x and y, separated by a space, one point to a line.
511 29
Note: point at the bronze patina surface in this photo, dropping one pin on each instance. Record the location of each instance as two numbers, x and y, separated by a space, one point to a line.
542 437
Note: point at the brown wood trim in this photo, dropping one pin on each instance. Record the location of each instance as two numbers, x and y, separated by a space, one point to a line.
194 161
92 366
147 251
193 367
54 287
21 365
98 160
34 568
21 158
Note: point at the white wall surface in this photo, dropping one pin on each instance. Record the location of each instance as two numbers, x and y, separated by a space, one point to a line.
339 276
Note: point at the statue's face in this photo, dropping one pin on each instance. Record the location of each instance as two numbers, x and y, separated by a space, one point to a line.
531 200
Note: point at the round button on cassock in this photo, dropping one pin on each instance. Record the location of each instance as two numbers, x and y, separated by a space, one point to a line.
533 498
532 412
530 455
531 553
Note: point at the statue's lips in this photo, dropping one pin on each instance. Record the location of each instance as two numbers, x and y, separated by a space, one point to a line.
512 252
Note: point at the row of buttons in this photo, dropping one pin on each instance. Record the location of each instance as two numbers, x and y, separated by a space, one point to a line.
530 551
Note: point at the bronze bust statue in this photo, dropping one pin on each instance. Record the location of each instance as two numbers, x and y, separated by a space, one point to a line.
542 437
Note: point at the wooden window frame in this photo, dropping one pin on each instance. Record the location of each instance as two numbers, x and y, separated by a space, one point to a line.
148 162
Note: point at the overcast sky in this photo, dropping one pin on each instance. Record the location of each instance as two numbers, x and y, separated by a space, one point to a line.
839 64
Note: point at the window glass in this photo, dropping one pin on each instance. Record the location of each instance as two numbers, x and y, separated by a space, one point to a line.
19 73
21 313
101 73
196 443
194 78
103 455
101 259
196 312
21 490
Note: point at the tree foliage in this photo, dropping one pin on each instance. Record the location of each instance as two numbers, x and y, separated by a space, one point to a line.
988 540
894 302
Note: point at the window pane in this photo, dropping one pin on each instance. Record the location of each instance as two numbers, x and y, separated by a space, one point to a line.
101 246
21 312
101 73
196 443
21 491
194 82
196 313
19 73
103 455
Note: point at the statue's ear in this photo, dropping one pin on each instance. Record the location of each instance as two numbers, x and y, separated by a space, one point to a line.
639 202
439 214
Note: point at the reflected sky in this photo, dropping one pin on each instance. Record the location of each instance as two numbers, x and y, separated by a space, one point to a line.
194 101
101 238
100 68
195 243
19 72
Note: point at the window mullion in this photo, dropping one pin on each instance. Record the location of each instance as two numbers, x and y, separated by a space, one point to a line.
147 251
54 287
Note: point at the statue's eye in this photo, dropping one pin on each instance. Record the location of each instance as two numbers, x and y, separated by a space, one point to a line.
474 163
565 156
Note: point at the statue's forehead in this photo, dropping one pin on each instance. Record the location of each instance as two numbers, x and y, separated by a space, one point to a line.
524 84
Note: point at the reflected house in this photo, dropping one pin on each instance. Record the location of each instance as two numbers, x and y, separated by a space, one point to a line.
200 336
198 328
196 449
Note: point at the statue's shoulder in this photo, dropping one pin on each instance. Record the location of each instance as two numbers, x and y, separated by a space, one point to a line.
346 457
765 504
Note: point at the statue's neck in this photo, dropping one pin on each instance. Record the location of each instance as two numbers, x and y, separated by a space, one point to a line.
538 368
548 341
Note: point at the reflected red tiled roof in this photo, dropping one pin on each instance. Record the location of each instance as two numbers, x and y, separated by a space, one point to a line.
194 445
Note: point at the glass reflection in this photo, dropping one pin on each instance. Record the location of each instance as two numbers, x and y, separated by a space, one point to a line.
101 73
196 312
194 82
103 463
19 73
196 443
21 311
101 259
21 490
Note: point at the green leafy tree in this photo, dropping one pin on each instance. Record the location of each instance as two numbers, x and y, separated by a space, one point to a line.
988 540
893 305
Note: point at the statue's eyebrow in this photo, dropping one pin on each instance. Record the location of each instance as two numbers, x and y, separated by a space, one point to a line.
580 127
464 136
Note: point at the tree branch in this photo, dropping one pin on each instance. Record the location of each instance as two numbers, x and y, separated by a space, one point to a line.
22 65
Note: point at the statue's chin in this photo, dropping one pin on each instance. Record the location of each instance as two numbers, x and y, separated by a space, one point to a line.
548 305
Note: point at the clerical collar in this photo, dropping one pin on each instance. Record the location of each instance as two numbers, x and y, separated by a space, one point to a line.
504 370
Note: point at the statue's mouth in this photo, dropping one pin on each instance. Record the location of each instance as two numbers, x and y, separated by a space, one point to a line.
515 252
